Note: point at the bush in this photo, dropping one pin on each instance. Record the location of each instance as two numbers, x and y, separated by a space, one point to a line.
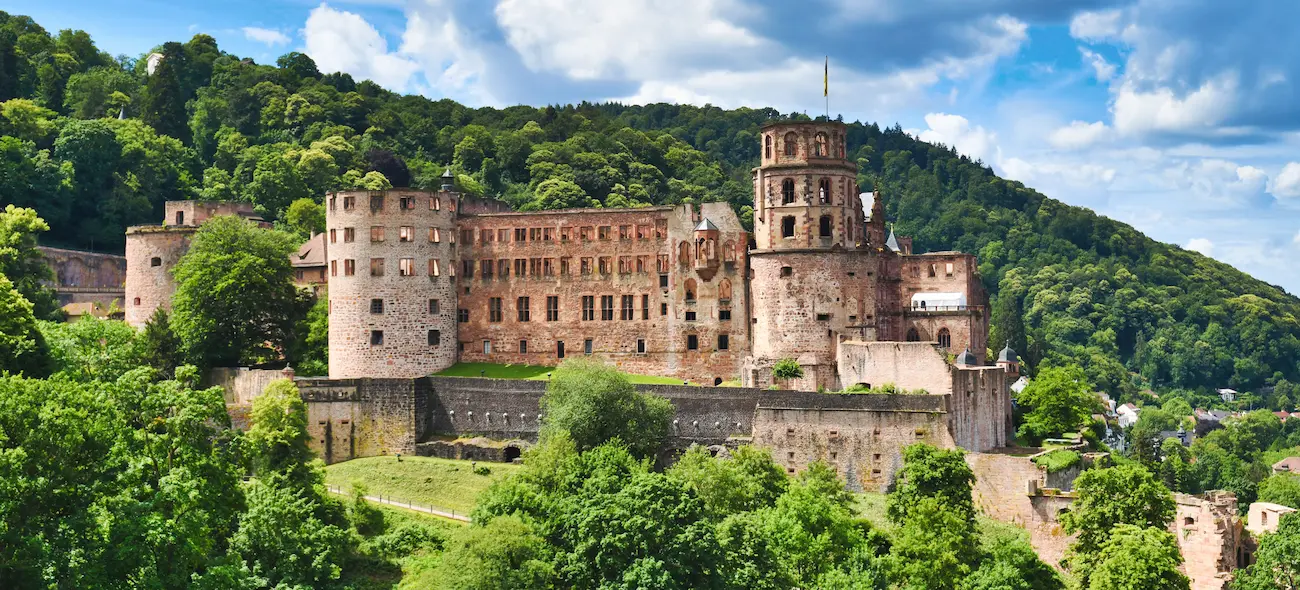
482 470
1058 460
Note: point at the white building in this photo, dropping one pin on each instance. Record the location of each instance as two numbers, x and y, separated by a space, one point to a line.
1128 415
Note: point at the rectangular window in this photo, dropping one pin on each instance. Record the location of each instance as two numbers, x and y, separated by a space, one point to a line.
503 268
535 267
584 233
334 238
588 307
503 235
521 234
349 267
564 266
603 266
663 309
523 347
662 264
587 346
435 268
663 281
376 306
724 315
552 308
645 307
724 342
462 315
376 233
586 266
376 203
467 269
434 308
692 342
949 269
566 233
349 203
485 267
534 234
334 201
624 232
376 267
548 267
435 338
467 237
435 235
690 316
485 236
548 234
606 307
641 263
406 267
435 204
626 311
521 267
559 349
521 305
640 345
603 232
376 337
406 203
487 347
334 268
494 309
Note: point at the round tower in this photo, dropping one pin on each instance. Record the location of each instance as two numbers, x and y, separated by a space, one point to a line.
809 282
392 293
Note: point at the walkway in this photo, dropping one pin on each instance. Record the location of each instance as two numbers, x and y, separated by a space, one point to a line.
403 503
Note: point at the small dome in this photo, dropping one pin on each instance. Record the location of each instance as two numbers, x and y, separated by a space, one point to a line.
966 358
446 174
706 225
1007 355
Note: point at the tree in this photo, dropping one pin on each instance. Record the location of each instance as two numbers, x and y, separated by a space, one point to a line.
1012 564
787 369
164 97
747 480
310 353
235 301
22 348
1277 563
594 403
505 553
1281 488
937 544
1137 558
305 218
275 185
930 472
22 263
1107 498
159 346
30 178
277 434
91 349
99 92
1060 401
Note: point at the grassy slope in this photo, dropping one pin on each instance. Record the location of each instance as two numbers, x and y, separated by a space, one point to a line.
442 483
533 372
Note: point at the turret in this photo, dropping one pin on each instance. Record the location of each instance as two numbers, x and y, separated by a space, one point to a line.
1008 360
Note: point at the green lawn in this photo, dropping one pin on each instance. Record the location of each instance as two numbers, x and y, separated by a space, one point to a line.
534 372
442 483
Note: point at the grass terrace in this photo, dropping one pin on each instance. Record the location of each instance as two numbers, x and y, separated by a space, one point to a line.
535 373
443 483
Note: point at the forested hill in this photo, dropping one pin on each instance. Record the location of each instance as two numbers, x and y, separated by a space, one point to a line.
94 144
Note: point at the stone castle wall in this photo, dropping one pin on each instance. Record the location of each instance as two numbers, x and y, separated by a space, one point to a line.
392 284
1010 488
1210 537
82 277
151 253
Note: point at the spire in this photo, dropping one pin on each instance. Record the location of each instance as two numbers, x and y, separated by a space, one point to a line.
121 114
891 242
447 179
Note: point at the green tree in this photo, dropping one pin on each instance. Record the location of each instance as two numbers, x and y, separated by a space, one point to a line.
787 369
1060 400
91 349
1122 495
1277 563
99 92
31 179
159 346
163 106
594 403
936 545
310 353
277 434
1012 564
25 121
1281 488
22 348
305 218
747 480
235 301
1137 558
504 554
275 184
22 263
930 472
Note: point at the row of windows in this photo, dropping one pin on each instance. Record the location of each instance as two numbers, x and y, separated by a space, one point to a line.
378 234
434 338
944 337
825 227
588 345
406 267
547 267
377 203
933 270
822 147
823 191
658 231
627 309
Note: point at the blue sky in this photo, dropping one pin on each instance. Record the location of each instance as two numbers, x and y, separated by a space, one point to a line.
1179 117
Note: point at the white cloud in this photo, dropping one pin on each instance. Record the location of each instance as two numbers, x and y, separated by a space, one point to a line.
269 37
1103 69
1072 174
341 41
1202 245
1217 182
1296 240
1078 135
1096 25
957 132
1286 185
592 39
1159 109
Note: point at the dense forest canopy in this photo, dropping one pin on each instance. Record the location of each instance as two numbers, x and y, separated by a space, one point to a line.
95 143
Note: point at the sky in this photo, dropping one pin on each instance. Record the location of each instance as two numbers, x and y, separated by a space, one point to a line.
1181 118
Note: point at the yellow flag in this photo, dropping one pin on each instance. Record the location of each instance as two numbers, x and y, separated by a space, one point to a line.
826 78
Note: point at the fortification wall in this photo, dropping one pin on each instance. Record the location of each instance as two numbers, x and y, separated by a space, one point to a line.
1210 537
392 283
242 384
84 277
980 408
351 418
1010 488
908 365
151 252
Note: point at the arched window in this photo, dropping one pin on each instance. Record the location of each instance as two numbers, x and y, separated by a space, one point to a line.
790 141
684 253
824 191
729 251
945 338
787 227
787 191
912 335
821 146
824 226
767 147
690 289
724 290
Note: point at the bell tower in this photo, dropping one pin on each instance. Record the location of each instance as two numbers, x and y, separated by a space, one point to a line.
806 189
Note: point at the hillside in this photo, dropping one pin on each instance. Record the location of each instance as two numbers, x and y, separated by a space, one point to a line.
1068 285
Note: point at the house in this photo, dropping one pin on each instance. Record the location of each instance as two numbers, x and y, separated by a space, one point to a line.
1228 395
1107 403
1287 465
309 264
1282 415
1263 517
1020 385
1128 415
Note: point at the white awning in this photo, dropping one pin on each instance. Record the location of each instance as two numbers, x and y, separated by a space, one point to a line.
938 300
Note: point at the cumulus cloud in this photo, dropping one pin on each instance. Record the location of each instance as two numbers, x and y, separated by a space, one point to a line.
1096 25
1070 174
1078 135
1202 245
341 41
957 132
1162 109
1287 183
269 37
1217 182
1103 69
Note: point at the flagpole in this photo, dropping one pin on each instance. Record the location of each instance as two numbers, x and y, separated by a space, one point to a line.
826 87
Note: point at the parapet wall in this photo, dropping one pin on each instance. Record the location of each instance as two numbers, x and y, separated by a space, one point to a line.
81 276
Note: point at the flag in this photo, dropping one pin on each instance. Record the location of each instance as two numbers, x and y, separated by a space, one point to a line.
826 78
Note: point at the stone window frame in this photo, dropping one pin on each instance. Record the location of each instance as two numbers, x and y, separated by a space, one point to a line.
406 267
523 309
821 145
640 346
486 269
435 267
607 308
787 227
334 268
521 234
824 191
724 341
767 147
435 338
787 271
588 308
692 342
376 267
645 307
462 316
376 234
523 346
603 232
349 235
376 337
349 267
435 235
376 204
435 204
494 310
691 291
349 203
377 306
334 236
552 308
435 306
663 309
944 338
825 227
487 347
155 261
627 308
406 203
790 145
787 191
